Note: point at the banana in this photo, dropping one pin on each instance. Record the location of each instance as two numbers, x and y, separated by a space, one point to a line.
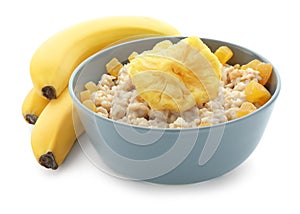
54 61
54 133
33 105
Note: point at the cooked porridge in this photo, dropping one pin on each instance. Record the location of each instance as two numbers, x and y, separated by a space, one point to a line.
116 97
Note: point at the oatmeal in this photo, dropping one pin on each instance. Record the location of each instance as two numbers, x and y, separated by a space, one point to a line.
236 95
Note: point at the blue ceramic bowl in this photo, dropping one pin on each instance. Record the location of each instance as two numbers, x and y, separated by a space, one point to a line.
170 156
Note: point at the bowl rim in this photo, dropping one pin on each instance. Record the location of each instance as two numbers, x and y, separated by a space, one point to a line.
77 102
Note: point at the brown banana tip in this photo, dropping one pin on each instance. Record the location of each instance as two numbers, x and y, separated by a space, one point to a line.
47 160
49 92
31 118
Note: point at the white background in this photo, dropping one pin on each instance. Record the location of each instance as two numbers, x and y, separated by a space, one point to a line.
266 182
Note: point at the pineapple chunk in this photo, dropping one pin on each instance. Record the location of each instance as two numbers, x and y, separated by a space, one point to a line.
252 64
245 109
113 67
91 86
264 69
90 105
256 93
224 54
202 124
85 95
237 66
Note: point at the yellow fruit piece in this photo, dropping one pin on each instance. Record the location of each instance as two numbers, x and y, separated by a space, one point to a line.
132 56
159 48
188 51
205 124
256 93
163 90
184 62
252 64
90 105
211 59
237 66
264 69
202 63
91 86
176 69
85 95
224 54
162 46
113 67
245 109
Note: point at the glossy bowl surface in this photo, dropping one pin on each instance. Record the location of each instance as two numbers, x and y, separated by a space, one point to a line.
169 156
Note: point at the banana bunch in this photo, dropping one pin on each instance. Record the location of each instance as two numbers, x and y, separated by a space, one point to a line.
48 105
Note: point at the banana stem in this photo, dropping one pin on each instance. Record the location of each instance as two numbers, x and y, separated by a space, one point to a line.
31 118
49 92
47 160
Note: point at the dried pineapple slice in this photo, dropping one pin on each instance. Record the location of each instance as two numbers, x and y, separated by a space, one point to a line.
206 52
161 46
163 90
174 68
187 62
223 53
191 58
187 51
132 56
256 93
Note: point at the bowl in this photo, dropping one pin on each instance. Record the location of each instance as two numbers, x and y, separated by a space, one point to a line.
169 156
